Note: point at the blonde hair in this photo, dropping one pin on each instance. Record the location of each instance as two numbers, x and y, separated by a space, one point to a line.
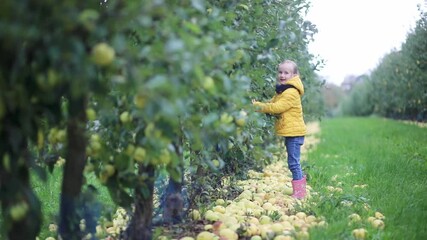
293 64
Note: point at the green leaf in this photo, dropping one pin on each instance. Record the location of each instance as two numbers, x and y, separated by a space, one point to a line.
199 5
194 28
272 43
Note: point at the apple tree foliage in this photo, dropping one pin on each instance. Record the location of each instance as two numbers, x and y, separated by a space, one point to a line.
130 89
187 112
48 72
181 94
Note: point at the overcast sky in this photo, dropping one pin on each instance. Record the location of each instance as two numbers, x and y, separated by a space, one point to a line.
355 34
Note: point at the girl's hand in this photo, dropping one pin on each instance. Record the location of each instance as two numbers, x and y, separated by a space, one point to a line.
255 103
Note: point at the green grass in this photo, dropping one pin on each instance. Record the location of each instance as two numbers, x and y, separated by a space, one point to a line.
49 195
390 157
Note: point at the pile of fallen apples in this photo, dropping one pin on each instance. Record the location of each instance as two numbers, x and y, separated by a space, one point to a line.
264 210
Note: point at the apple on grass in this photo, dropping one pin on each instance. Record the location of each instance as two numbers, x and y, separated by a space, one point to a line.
359 233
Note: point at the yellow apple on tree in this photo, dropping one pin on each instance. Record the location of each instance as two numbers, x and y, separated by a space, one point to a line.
226 118
95 147
51 137
19 211
241 118
88 18
140 154
109 169
165 157
240 122
91 114
140 100
103 54
208 83
125 117
61 135
215 162
130 149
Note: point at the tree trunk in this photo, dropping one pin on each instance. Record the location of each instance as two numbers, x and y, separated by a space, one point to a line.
73 170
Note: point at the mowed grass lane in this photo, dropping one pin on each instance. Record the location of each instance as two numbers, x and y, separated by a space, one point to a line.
380 165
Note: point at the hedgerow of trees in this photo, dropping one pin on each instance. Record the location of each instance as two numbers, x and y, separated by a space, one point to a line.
397 87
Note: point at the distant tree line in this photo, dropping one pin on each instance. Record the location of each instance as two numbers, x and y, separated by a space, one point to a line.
397 87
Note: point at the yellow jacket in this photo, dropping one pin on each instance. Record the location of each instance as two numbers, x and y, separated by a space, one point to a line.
288 108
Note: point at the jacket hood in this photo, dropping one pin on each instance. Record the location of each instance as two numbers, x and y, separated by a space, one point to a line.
297 83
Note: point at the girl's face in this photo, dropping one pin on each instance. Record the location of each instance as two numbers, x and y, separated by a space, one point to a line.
285 72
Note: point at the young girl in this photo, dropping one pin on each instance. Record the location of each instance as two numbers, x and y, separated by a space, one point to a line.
286 105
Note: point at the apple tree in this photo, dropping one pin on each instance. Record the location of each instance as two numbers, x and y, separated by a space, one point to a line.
396 87
53 55
178 91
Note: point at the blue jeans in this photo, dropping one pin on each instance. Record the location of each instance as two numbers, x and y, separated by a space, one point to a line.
293 148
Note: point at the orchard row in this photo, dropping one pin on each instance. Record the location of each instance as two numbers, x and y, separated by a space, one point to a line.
131 88
397 87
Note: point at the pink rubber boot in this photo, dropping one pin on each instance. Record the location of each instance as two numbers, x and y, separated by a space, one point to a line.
299 188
